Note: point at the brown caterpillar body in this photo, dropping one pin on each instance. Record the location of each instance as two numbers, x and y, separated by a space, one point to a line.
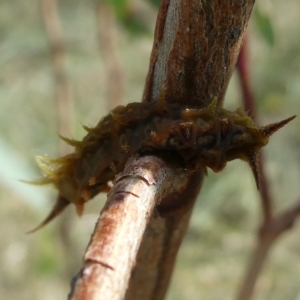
202 137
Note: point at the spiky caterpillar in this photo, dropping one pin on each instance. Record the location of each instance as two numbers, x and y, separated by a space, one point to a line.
203 138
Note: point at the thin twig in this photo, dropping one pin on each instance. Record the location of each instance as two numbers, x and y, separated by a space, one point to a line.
58 50
272 226
114 73
244 75
268 235
63 97
249 105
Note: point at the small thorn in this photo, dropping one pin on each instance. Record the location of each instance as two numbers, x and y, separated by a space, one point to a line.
60 205
212 107
79 208
119 118
41 181
70 142
45 166
253 162
90 130
268 130
54 161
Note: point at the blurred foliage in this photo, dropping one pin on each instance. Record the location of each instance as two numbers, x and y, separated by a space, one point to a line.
264 25
155 2
213 256
131 16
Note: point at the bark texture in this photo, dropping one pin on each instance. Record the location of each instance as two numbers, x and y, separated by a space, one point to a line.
194 52
195 49
112 252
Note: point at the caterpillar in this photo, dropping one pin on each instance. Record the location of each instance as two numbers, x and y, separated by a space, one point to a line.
207 137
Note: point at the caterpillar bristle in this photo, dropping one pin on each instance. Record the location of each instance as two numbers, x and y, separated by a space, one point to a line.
71 142
253 162
212 107
244 118
272 128
53 161
79 208
119 118
41 181
45 166
90 130
201 138
60 205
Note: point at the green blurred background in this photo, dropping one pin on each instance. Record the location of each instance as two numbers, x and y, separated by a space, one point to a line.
221 236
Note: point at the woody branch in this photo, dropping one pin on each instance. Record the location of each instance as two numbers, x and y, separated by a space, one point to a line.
194 52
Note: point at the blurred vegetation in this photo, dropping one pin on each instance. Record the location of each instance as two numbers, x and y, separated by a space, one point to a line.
213 257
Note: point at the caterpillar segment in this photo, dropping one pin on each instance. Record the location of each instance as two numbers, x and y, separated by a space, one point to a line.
208 137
